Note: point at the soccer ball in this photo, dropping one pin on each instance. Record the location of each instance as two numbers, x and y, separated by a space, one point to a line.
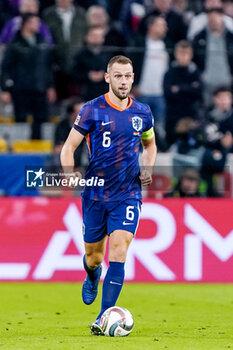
117 322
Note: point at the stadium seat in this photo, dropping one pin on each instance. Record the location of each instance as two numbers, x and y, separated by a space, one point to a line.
48 131
32 146
159 186
11 132
3 145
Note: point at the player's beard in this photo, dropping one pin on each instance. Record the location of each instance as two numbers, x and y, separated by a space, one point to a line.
118 94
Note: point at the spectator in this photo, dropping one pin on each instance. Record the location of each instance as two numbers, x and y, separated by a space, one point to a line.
187 186
218 137
68 27
98 17
221 116
90 65
213 53
150 66
188 142
200 21
222 109
27 74
182 89
131 14
223 102
63 128
176 26
183 8
14 24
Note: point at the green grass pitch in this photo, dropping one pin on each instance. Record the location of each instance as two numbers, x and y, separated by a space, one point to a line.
167 316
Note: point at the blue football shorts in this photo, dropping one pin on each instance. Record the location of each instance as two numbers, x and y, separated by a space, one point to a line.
102 218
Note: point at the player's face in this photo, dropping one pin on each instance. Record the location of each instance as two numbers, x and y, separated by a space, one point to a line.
120 79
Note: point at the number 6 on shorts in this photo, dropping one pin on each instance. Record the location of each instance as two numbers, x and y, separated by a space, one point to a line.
130 212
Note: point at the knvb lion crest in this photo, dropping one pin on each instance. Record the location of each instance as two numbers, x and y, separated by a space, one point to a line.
137 123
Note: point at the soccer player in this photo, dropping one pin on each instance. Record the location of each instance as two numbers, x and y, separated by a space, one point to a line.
114 126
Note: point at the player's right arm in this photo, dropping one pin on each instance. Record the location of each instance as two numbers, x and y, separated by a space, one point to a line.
67 153
83 125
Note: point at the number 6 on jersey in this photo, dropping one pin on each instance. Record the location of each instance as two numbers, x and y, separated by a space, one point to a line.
106 139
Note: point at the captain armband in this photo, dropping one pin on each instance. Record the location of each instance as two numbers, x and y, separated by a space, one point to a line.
149 134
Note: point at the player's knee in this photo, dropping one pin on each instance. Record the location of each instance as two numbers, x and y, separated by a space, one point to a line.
94 259
118 253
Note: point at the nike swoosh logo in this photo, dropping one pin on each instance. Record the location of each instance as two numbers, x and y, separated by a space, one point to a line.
128 223
111 282
106 123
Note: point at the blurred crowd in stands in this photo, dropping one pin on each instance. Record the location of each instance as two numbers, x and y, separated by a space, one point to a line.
54 55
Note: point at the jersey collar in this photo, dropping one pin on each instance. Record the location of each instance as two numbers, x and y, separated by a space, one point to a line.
107 99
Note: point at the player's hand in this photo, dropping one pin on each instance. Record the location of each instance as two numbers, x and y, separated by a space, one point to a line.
145 177
73 176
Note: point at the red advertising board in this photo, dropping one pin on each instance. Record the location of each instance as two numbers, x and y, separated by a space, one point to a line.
177 241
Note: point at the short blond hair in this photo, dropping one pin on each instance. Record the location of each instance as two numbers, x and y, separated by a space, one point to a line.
119 59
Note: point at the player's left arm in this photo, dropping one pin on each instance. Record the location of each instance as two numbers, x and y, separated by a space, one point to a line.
148 156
